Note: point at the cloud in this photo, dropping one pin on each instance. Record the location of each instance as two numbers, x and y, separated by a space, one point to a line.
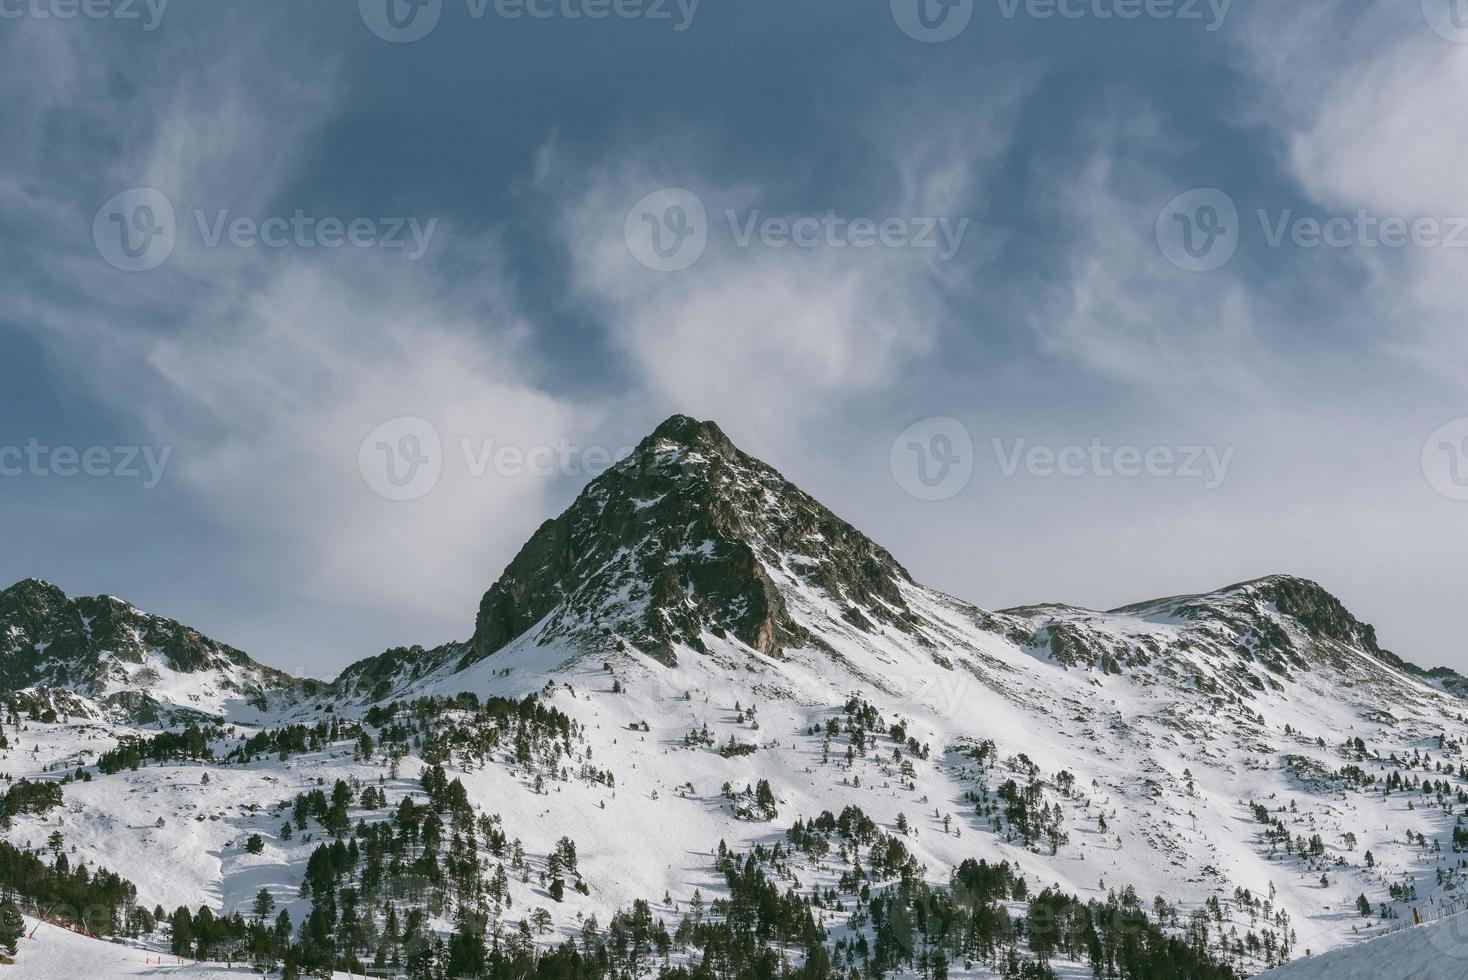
1386 140
264 370
274 398
754 333
1370 120
1119 310
775 338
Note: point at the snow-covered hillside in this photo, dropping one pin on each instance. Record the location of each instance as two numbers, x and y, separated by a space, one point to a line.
52 953
697 661
1435 951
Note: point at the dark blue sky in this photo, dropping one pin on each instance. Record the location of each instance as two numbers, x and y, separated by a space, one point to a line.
531 154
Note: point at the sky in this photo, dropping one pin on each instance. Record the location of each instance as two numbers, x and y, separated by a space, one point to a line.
311 313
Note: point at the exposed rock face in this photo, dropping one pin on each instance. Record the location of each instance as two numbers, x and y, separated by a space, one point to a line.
678 540
102 647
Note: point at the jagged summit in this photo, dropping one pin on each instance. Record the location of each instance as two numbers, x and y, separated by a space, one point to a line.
685 537
689 433
690 540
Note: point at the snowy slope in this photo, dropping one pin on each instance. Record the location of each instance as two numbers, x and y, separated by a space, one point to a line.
53 953
1436 951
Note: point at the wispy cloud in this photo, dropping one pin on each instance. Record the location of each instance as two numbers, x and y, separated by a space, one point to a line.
265 372
772 333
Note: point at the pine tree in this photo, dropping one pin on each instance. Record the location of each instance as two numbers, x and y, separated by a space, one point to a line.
12 926
764 799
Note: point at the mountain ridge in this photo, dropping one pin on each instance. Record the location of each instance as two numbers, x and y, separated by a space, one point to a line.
689 477
129 662
679 533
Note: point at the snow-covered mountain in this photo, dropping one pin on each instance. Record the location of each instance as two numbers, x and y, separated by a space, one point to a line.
686 539
697 679
101 656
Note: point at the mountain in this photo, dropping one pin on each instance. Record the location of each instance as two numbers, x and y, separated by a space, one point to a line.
1240 641
699 702
686 538
101 655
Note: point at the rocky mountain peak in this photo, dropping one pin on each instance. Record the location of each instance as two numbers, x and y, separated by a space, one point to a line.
1305 605
687 537
684 432
33 594
1316 610
106 648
